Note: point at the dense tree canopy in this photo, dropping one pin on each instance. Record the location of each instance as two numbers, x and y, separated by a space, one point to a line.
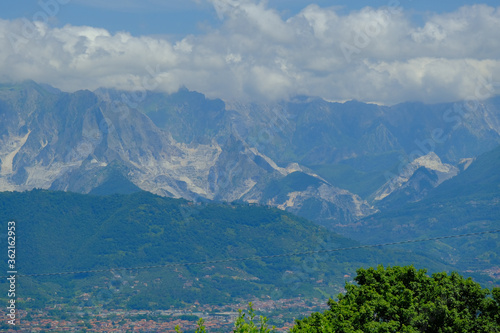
404 299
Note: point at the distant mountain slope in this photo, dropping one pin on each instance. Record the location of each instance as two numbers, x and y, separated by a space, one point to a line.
64 232
480 180
114 183
415 181
469 202
102 143
315 199
311 131
187 115
185 145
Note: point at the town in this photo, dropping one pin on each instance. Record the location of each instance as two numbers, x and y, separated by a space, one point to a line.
281 314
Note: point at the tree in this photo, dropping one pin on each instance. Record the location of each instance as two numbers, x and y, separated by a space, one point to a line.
404 299
200 329
242 324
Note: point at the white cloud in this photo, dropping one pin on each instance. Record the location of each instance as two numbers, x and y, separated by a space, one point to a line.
371 55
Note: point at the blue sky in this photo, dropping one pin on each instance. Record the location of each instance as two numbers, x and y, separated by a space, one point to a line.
178 18
392 51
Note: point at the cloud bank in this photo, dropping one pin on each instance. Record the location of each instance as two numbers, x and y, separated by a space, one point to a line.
373 55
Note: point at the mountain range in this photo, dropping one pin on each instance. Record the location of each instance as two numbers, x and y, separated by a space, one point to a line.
334 163
467 203
227 181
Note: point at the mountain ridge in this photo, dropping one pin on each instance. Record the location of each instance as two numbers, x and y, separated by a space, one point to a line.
185 145
467 203
70 232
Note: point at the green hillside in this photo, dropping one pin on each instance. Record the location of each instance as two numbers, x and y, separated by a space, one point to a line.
469 202
480 180
64 232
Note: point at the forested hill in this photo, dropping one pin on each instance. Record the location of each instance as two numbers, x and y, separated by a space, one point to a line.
467 203
64 232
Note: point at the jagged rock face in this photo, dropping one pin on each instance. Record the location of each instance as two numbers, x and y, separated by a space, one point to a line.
312 131
184 145
324 204
417 177
73 142
66 144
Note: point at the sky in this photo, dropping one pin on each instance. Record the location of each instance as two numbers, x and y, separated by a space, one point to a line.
384 52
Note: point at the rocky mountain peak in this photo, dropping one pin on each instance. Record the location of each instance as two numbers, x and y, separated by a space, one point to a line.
318 159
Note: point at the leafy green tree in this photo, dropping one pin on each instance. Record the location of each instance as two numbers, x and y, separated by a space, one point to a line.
404 299
200 329
244 324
